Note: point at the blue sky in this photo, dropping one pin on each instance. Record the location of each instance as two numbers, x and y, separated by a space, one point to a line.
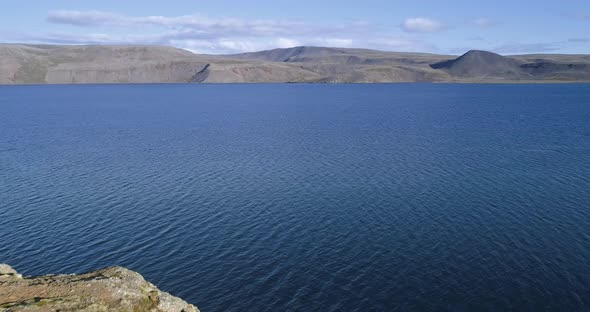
223 26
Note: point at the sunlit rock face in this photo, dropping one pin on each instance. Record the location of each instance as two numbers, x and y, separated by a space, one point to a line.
111 289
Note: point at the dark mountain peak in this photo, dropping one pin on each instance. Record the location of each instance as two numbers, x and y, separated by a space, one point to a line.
478 63
480 52
482 56
478 56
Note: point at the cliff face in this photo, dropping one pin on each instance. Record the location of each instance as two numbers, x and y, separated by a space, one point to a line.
111 289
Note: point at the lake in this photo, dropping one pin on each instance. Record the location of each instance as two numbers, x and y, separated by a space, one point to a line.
402 197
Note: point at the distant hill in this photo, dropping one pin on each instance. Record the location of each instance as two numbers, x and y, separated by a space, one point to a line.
21 64
323 55
53 64
95 64
482 64
491 66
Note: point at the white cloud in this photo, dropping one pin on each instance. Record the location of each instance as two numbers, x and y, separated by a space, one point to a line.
287 43
579 40
237 45
484 22
220 35
336 42
539 47
422 25
400 44
222 46
66 38
84 18
201 25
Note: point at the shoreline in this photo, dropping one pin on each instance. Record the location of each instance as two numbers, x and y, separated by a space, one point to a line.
105 289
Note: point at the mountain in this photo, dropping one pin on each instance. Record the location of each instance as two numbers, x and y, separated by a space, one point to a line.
95 64
21 64
485 65
322 55
482 64
354 65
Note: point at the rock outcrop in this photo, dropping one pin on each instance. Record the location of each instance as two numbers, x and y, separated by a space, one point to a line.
111 289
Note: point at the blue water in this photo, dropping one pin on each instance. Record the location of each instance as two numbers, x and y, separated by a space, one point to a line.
414 197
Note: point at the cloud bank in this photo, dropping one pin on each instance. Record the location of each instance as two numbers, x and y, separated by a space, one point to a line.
197 24
205 34
225 35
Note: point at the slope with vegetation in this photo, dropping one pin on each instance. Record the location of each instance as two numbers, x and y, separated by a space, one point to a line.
22 64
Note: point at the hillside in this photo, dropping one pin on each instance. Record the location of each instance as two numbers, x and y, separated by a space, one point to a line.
483 65
355 65
54 64
22 64
341 56
95 64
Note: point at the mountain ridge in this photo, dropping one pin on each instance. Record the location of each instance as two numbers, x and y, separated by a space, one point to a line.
478 63
62 64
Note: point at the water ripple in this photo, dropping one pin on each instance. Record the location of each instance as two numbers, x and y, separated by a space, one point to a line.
319 198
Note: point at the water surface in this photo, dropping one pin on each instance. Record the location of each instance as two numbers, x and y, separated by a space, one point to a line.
410 197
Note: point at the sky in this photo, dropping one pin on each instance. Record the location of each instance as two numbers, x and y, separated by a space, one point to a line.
224 26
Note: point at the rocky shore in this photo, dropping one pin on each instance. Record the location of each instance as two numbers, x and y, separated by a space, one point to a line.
110 289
